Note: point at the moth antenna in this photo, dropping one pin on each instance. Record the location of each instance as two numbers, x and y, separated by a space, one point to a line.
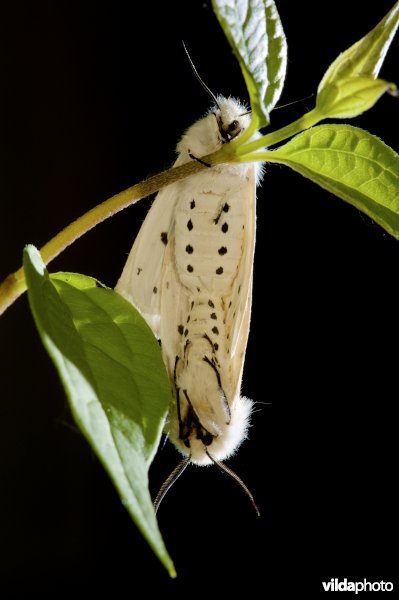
222 467
248 112
206 88
293 102
167 484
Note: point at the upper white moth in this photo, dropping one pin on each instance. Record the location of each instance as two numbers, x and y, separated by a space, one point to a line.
189 273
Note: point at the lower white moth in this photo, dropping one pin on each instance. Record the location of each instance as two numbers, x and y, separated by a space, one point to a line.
189 273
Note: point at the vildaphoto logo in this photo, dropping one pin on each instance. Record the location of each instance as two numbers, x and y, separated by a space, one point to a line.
343 585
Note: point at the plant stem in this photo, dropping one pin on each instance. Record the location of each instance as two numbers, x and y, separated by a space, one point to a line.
14 285
304 122
246 135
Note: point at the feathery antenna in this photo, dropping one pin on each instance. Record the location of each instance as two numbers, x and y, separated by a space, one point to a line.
237 479
167 484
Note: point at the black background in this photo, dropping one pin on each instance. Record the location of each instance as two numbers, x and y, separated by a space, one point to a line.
95 97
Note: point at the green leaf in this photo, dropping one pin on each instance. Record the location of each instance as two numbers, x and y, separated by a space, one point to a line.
347 98
256 36
114 376
350 85
365 57
352 164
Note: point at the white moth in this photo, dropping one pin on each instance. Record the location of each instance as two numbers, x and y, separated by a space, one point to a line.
189 273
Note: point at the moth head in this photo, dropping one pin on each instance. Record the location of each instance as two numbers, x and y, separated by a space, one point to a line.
218 439
232 118
223 123
202 448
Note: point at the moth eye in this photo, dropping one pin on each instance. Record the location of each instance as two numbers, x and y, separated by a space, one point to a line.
233 126
206 438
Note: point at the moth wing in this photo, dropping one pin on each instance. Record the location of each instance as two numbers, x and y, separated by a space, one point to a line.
174 309
141 278
239 312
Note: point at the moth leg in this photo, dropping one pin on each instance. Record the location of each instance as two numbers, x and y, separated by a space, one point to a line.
208 339
199 160
193 420
226 404
175 368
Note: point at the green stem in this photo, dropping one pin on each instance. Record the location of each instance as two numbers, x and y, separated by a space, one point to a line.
237 151
304 122
264 156
14 285
247 134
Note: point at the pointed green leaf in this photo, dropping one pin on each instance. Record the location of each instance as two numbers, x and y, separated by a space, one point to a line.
350 85
114 376
365 57
256 36
347 98
352 164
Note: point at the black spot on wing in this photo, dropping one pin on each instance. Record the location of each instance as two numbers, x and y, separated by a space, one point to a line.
154 289
180 329
164 237
222 250
189 249
211 304
192 204
225 227
190 268
139 270
215 330
213 316
226 207
219 271
190 225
